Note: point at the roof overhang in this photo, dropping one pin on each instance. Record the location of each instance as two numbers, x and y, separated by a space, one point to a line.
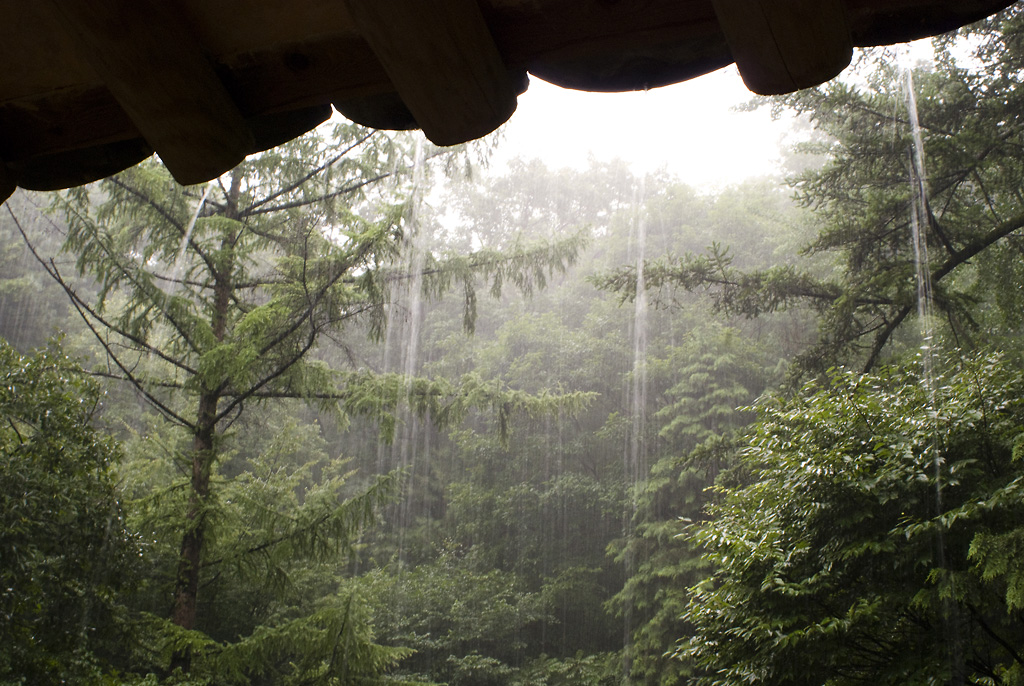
91 87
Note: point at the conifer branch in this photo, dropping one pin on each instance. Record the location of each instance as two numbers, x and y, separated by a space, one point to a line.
82 307
352 188
128 273
193 244
137 383
316 171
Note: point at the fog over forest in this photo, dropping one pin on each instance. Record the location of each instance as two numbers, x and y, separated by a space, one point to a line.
368 411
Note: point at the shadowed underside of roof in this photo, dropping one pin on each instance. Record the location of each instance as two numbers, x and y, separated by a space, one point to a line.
91 87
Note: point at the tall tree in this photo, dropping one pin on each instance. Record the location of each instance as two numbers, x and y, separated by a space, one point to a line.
718 373
214 299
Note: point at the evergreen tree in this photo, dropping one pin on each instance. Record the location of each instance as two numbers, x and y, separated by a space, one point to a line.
215 300
858 274
718 373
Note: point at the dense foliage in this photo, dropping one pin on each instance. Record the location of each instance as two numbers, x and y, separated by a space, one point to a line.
65 551
875 539
872 538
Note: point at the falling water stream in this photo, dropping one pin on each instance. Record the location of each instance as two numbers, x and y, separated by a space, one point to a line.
635 455
175 277
920 220
402 341
637 459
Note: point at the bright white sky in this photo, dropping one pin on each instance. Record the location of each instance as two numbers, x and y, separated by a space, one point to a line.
689 128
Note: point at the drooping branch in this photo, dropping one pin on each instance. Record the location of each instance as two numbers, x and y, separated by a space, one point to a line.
129 274
955 260
977 616
84 308
88 314
258 208
137 383
338 522
978 245
170 385
883 336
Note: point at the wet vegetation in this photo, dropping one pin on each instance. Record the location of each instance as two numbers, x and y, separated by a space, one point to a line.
350 415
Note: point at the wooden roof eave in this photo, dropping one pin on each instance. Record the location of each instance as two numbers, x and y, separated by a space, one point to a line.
221 80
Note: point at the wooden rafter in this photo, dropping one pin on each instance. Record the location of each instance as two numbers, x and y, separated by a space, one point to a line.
151 63
89 87
784 45
443 63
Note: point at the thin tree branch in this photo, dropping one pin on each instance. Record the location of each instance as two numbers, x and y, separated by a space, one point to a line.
995 637
193 244
279 370
960 257
327 196
53 271
326 165
138 384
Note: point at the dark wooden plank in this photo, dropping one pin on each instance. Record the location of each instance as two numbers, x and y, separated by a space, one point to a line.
441 58
303 74
150 61
271 130
285 57
64 120
7 183
784 45
78 167
899 21
380 111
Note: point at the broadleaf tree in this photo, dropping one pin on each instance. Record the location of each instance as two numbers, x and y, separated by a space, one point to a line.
65 551
873 542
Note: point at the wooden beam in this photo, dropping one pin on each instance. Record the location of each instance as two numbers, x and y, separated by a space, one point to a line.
272 130
784 45
304 74
67 119
7 183
442 61
78 167
379 111
151 63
